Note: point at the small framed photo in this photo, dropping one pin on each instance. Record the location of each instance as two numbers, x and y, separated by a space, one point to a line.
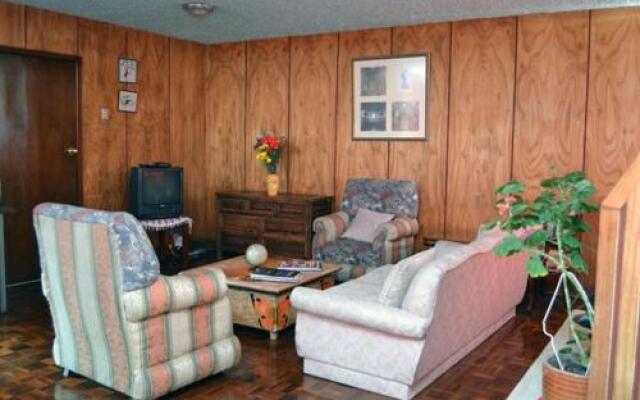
127 70
127 101
390 98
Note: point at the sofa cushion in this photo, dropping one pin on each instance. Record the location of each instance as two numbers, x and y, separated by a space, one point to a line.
444 247
365 225
349 251
400 277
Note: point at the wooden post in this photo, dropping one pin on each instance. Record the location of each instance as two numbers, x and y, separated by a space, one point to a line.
615 373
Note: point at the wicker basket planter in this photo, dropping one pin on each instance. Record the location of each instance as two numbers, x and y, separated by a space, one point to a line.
563 385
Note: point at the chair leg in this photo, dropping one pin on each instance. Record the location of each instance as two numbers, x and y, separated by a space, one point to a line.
65 372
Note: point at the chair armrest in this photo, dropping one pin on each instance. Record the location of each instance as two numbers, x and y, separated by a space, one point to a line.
399 228
395 321
172 293
329 227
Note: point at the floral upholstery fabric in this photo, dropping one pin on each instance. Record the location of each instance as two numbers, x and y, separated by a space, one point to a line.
396 197
140 266
393 241
349 251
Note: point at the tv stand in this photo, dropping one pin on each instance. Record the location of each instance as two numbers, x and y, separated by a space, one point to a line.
163 226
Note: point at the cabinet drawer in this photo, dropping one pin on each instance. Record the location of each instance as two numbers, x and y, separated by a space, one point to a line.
234 205
284 225
290 248
241 225
291 210
262 207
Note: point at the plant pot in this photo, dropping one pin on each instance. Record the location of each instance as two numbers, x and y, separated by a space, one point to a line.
272 182
563 385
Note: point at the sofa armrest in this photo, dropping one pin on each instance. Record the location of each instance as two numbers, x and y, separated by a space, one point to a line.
172 293
371 315
328 228
399 228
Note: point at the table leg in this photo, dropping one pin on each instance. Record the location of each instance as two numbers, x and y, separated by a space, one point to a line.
185 247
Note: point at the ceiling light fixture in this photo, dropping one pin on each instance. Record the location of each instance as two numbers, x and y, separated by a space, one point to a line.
198 8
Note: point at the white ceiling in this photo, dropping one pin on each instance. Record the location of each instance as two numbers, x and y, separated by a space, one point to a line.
237 20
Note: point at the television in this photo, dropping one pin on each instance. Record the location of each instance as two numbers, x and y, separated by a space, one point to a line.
155 191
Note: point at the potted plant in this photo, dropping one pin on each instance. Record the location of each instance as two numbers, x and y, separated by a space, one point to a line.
268 149
554 220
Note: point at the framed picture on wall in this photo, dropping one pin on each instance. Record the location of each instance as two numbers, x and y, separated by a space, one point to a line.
390 98
127 70
127 101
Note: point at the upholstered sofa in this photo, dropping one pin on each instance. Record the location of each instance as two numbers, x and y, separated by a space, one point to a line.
455 297
394 240
116 319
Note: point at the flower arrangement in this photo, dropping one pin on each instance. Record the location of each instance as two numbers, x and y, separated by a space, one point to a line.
553 219
268 150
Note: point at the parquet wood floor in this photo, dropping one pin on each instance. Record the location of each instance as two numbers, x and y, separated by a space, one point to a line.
267 371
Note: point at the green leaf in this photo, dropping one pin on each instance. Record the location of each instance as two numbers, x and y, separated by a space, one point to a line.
570 242
518 208
509 246
510 187
577 262
551 183
536 239
489 225
536 268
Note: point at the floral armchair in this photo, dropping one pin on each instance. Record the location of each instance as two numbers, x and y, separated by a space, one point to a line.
116 319
393 241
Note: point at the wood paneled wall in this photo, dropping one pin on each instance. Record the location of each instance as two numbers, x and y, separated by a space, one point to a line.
520 97
169 124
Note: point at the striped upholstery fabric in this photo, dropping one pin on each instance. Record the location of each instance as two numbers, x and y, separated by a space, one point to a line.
183 334
393 241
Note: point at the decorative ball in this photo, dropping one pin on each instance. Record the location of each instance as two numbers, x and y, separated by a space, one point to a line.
256 254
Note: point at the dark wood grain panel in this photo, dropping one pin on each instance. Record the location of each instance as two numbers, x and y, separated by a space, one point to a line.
225 144
52 32
613 123
481 117
267 103
104 143
12 25
148 137
356 159
551 90
426 162
187 122
314 61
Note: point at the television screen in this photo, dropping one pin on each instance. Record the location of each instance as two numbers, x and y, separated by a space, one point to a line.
161 186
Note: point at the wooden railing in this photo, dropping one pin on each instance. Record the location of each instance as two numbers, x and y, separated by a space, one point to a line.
615 373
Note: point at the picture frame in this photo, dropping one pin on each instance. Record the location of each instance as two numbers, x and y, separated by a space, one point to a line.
127 70
127 101
390 98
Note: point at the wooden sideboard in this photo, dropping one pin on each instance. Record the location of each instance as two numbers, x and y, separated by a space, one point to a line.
283 224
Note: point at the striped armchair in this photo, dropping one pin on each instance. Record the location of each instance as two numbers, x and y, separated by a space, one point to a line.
393 241
116 319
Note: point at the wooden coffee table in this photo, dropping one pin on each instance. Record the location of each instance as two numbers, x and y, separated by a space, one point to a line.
265 305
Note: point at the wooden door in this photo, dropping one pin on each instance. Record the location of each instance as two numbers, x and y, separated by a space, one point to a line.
38 136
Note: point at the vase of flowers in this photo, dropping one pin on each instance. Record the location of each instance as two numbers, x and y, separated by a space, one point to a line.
268 149
554 220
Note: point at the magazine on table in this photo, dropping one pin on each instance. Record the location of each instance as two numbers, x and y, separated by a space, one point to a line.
274 275
301 265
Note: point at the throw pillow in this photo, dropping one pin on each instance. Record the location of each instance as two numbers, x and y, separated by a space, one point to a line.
364 225
400 277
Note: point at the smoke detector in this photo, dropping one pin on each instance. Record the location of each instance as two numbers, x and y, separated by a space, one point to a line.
198 8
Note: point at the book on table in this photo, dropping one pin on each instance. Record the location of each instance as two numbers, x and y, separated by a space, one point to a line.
301 265
274 275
